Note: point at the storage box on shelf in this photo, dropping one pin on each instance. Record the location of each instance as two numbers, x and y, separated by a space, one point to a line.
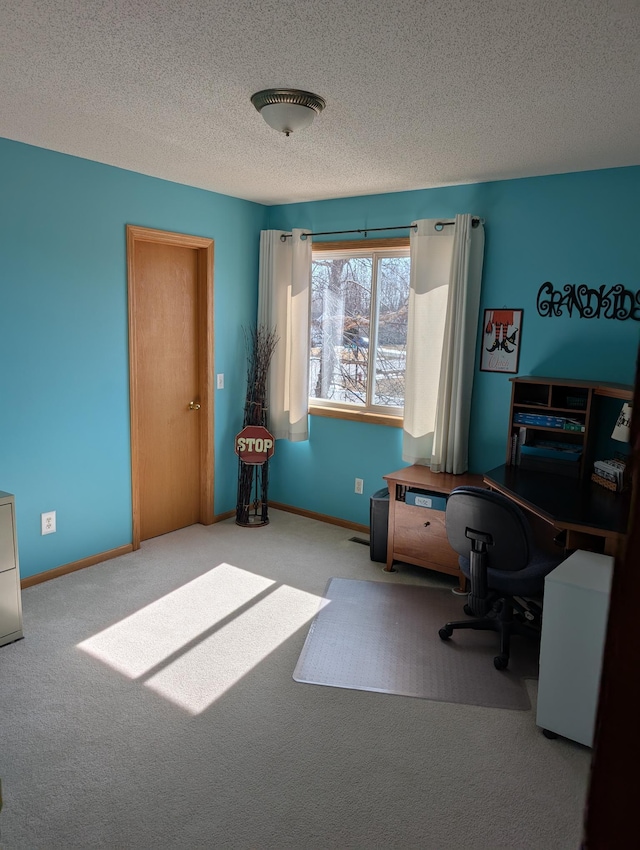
551 455
551 423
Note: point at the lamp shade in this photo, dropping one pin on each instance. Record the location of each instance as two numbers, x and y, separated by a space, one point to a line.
287 117
287 110
622 428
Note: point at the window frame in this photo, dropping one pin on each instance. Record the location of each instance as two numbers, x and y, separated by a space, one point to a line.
339 410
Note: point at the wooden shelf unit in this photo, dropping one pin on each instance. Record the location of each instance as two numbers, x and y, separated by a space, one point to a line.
563 398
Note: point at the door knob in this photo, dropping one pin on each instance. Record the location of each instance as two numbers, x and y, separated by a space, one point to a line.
193 405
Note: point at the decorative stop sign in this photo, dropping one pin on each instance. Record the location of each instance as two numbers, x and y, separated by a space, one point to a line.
254 444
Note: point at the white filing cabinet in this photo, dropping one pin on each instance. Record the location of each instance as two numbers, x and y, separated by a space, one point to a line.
574 622
10 598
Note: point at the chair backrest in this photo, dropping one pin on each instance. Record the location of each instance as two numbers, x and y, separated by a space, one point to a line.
490 513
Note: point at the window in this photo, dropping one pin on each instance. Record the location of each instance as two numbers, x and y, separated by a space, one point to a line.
359 301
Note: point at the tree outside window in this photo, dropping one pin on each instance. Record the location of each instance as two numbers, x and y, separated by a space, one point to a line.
359 301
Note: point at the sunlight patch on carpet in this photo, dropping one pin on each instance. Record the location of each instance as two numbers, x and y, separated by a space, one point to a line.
202 675
143 640
193 644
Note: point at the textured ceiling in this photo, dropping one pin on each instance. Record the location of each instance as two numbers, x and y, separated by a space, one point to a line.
419 93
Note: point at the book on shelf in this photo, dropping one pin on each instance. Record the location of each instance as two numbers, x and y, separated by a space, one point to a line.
518 439
539 419
514 449
544 421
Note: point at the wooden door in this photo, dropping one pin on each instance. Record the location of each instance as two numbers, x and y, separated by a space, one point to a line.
171 370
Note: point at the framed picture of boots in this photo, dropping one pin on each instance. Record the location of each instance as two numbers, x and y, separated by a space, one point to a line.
501 340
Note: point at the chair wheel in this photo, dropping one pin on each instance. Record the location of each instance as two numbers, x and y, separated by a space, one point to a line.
549 734
500 662
468 610
445 633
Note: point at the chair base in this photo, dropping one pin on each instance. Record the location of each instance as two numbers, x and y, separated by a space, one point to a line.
499 619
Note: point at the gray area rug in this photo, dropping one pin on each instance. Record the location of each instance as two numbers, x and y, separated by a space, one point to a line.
376 636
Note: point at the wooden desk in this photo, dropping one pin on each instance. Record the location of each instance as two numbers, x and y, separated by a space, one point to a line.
417 535
593 518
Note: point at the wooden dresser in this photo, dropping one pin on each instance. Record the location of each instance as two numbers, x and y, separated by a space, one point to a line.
416 534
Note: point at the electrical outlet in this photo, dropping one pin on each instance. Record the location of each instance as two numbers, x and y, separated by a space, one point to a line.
48 522
220 383
359 485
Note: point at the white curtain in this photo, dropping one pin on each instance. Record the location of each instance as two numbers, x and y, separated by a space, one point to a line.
444 300
283 306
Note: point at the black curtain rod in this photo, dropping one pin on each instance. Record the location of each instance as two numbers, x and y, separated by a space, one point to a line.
437 226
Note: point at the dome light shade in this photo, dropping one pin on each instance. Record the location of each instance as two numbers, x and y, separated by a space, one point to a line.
287 110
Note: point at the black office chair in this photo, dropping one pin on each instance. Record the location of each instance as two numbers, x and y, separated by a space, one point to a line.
497 553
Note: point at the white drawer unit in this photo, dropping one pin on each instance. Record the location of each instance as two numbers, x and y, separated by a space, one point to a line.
574 624
10 597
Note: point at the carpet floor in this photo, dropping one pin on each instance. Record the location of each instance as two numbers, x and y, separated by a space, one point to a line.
151 706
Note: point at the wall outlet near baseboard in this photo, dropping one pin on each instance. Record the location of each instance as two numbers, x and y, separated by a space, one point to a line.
48 522
359 486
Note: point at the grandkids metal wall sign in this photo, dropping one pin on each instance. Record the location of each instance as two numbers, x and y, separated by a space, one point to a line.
605 302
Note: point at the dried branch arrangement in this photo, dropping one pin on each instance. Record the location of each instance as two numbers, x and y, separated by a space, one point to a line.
260 343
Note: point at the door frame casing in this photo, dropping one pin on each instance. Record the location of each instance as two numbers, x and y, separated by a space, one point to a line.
204 248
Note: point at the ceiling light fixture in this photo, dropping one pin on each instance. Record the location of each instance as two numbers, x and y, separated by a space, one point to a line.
287 110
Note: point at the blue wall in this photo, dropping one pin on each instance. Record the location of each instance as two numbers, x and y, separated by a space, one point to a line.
567 229
64 395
